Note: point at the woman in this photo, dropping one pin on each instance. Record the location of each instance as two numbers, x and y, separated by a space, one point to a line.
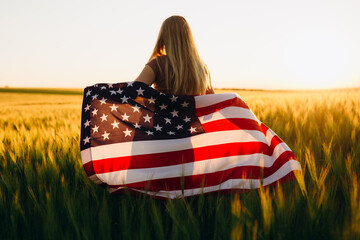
175 66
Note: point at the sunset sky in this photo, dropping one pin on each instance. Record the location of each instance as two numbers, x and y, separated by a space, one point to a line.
260 44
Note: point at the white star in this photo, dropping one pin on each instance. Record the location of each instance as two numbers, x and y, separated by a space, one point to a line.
87 123
149 133
186 119
103 101
125 117
130 84
104 117
95 129
162 93
113 92
192 129
94 112
163 107
105 135
152 100
88 93
147 118
95 96
115 124
171 133
86 140
140 91
179 127
87 108
174 113
185 104
173 99
158 128
167 120
124 99
103 88
110 85
136 125
119 91
113 107
136 108
127 132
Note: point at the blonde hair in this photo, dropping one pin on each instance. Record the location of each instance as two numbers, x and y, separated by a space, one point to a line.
185 72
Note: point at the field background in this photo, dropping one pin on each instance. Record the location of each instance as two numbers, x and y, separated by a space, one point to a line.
45 194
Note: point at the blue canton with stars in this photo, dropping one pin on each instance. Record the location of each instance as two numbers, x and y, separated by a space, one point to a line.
133 111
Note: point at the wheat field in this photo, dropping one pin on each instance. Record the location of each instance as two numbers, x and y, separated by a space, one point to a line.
45 194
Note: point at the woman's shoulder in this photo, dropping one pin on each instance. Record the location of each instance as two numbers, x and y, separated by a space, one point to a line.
157 63
159 59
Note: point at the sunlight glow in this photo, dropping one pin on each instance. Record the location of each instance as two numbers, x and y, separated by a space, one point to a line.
317 59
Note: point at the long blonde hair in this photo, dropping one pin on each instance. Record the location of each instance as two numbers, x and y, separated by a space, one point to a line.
185 72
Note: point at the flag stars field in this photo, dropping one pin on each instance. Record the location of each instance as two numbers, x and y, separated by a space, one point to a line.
174 113
185 104
113 107
115 124
151 100
125 117
87 108
187 119
136 108
103 101
104 117
127 132
163 107
158 128
86 140
95 129
87 123
173 98
140 91
105 135
192 129
147 118
167 120
124 99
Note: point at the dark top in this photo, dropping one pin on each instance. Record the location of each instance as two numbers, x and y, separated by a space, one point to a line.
158 66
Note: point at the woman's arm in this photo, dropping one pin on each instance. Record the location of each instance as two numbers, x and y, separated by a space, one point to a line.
146 76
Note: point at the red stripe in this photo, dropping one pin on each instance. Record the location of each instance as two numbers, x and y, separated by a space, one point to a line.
234 102
231 124
88 167
178 157
287 177
211 179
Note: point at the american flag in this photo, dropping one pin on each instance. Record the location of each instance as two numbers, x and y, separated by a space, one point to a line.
136 138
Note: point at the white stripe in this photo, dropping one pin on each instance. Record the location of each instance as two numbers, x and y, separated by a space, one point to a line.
228 113
288 167
169 145
188 169
86 156
210 99
269 135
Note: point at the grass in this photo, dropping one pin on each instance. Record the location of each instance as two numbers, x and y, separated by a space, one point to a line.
45 194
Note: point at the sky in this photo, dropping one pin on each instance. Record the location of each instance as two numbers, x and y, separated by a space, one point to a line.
253 44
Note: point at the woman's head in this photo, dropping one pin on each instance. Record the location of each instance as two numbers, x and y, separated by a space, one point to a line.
185 72
175 35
